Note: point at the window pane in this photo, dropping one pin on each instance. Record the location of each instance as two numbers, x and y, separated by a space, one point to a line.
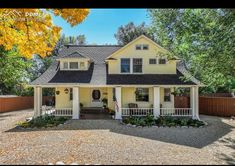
152 61
138 47
125 65
73 65
145 47
167 94
82 64
66 66
162 61
142 94
137 65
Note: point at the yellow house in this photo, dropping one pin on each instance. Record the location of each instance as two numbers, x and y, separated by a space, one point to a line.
140 74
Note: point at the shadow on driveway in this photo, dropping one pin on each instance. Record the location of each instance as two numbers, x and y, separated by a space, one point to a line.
193 137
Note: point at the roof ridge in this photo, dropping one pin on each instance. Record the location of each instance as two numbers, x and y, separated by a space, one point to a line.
77 45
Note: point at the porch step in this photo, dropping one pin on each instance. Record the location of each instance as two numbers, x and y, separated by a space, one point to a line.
93 110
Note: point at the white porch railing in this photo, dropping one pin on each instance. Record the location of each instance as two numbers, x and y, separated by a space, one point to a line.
57 111
136 111
176 112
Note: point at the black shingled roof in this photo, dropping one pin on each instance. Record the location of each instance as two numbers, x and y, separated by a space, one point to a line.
98 74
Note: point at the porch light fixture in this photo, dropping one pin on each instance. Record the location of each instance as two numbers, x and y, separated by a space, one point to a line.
66 91
57 92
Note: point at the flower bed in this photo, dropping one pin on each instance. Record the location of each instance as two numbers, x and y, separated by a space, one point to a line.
43 121
163 121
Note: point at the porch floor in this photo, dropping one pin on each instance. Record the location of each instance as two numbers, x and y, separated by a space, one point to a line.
94 113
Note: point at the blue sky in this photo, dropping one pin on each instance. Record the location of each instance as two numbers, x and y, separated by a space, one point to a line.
101 24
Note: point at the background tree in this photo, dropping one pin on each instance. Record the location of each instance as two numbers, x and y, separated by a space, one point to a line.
129 32
204 38
32 30
13 72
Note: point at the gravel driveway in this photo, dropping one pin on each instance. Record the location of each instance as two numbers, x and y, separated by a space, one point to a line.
109 142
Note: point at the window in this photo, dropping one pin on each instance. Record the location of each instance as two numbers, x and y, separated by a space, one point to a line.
125 65
138 47
82 64
73 65
152 61
145 47
162 61
71 94
66 65
142 94
137 65
167 94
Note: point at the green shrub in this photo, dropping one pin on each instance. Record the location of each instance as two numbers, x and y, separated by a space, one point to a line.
43 121
149 120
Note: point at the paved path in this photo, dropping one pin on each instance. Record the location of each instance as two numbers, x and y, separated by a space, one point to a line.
109 142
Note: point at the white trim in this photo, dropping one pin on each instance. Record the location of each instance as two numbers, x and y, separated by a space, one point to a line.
129 66
114 85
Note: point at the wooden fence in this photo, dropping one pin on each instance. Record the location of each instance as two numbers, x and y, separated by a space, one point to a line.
18 103
216 106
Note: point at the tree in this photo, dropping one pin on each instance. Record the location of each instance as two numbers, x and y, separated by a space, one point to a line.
81 40
13 71
32 30
204 38
129 32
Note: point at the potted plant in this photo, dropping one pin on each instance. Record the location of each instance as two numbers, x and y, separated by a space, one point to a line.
105 102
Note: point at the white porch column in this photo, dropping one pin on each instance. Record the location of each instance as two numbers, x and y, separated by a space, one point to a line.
37 101
118 105
156 102
194 102
76 103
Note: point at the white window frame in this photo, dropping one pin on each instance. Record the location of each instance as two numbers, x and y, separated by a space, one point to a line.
145 45
162 58
83 66
133 66
67 65
75 68
138 45
129 66
164 96
148 94
153 63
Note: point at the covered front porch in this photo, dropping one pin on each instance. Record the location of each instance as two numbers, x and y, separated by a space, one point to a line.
123 100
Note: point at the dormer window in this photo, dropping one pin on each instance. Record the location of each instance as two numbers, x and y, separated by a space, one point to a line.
145 47
65 65
73 65
138 47
82 65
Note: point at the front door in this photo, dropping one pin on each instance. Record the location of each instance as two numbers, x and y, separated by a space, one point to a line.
96 98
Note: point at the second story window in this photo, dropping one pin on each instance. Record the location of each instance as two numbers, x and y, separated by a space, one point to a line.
162 61
125 65
66 65
138 47
73 65
145 47
152 61
137 65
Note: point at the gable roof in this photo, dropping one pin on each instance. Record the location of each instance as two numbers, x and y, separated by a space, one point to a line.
75 54
97 53
133 41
